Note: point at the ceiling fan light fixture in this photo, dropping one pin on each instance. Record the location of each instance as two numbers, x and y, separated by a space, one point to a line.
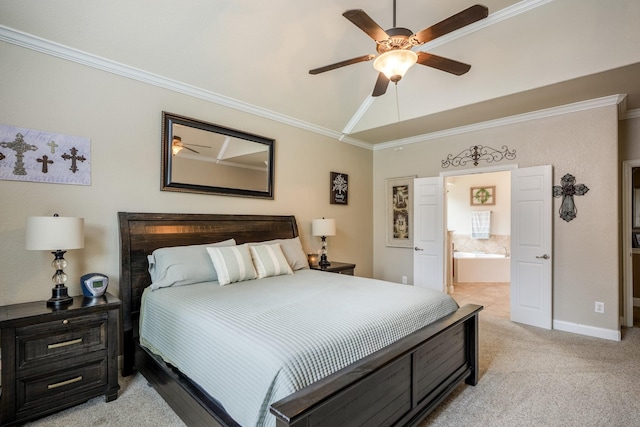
176 145
395 63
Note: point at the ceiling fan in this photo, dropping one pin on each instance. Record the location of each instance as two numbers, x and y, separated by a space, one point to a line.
395 45
177 145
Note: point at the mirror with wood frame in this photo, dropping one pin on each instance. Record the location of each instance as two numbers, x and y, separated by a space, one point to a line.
201 157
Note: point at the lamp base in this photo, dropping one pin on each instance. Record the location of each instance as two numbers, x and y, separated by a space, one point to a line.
59 297
323 261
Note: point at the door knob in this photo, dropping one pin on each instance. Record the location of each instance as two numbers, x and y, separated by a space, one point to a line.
545 256
418 249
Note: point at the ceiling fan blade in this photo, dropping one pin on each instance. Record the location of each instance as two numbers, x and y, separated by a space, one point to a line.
197 145
381 85
366 24
341 64
444 64
452 23
191 149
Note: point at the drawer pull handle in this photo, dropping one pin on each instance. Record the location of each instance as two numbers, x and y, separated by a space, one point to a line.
64 344
63 383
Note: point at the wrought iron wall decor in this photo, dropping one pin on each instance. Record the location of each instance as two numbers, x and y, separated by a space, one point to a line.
567 189
478 153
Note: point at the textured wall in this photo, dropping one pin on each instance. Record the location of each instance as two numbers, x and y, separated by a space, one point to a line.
585 251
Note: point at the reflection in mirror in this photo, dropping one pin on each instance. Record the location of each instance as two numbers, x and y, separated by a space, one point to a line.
202 157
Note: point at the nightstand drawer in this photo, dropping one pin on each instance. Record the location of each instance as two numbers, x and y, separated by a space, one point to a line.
65 337
58 388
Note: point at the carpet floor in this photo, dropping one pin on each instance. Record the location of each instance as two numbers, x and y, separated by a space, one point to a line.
528 377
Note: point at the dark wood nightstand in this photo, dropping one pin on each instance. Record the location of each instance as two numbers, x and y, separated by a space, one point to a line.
336 267
55 359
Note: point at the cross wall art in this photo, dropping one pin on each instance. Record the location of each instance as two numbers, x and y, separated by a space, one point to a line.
38 156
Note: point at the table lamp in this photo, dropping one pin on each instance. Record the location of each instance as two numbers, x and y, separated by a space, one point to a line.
323 228
57 234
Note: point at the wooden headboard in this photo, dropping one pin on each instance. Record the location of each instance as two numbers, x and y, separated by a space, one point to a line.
142 233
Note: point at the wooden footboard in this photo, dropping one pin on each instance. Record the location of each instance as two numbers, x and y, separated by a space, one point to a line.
398 385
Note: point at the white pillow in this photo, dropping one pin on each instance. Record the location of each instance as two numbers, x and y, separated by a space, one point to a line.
232 263
269 260
183 265
292 250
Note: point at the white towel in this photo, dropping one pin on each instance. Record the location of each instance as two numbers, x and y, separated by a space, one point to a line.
480 224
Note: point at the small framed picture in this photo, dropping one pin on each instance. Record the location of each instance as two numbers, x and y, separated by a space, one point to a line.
635 240
339 186
483 196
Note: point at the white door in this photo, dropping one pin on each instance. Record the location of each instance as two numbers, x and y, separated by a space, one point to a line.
428 233
531 244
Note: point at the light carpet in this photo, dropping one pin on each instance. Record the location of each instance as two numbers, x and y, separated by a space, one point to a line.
528 377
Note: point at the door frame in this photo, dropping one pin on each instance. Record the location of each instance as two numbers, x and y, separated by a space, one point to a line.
627 247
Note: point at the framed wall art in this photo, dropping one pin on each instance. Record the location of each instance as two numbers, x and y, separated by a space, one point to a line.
400 212
483 196
339 188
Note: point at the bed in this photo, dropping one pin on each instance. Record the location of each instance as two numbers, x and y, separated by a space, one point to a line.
398 384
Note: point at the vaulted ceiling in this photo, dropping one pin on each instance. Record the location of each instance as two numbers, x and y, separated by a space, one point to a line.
255 56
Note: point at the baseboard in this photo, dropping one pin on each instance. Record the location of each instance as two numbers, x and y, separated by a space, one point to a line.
590 331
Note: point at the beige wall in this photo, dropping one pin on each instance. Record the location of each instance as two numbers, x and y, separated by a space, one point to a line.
585 250
122 118
630 139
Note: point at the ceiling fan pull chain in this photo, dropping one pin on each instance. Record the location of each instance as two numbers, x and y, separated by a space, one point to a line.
397 101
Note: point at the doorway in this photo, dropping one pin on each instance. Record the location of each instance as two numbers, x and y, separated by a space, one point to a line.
530 242
480 262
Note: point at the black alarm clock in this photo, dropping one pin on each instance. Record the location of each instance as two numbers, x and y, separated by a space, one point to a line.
94 284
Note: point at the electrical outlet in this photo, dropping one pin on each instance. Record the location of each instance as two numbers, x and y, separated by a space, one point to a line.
599 307
404 280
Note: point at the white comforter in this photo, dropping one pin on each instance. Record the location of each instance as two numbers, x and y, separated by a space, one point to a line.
251 343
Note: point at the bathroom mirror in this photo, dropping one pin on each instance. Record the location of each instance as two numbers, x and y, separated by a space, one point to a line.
201 157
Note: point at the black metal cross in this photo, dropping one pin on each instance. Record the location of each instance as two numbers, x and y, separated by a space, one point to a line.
45 163
20 147
73 157
567 190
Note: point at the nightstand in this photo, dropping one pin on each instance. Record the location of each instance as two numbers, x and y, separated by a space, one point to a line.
55 359
336 267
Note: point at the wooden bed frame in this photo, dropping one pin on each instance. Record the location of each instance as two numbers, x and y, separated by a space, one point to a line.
398 385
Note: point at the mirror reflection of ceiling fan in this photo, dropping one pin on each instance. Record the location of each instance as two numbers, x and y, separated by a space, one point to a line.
177 145
395 46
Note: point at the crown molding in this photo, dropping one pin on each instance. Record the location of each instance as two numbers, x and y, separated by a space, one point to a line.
519 118
631 114
48 47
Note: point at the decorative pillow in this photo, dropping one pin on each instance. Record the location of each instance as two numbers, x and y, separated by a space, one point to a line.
292 250
183 265
232 263
269 260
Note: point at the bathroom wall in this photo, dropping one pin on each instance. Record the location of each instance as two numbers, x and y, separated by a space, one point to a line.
459 210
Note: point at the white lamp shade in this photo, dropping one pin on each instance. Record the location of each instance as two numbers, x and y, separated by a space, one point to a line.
323 227
395 63
53 233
